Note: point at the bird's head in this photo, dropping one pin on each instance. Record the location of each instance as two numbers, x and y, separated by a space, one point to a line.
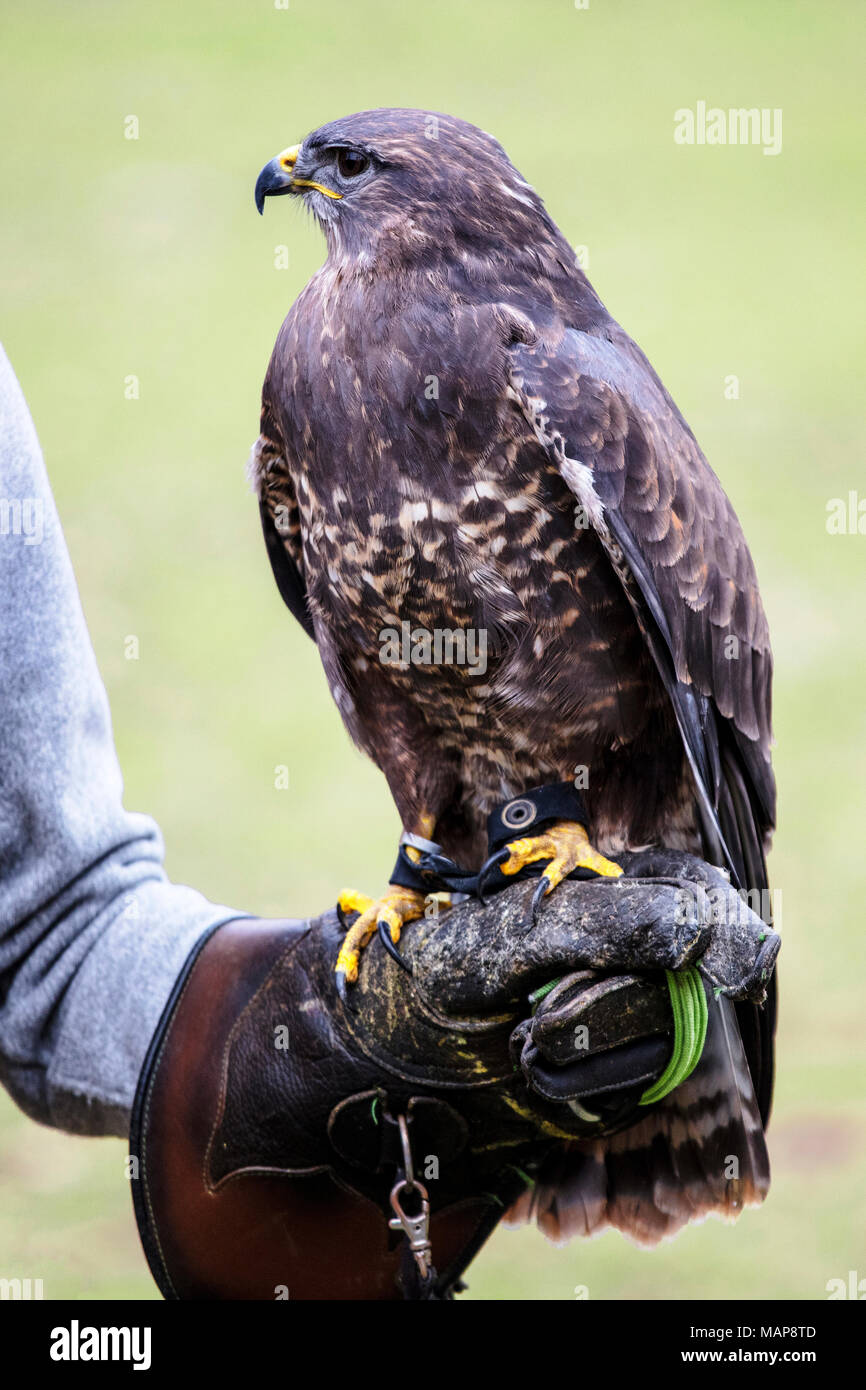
405 183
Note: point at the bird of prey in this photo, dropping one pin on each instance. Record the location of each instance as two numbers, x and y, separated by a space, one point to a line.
457 437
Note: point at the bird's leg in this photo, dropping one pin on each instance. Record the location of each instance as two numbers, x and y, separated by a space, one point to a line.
387 915
566 844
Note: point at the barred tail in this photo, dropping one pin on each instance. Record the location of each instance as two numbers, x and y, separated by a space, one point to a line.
700 1151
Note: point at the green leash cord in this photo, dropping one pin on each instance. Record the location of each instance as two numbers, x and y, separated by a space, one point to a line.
689 1005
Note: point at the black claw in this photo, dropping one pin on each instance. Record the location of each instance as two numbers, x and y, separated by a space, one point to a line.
342 986
341 916
486 870
538 897
385 937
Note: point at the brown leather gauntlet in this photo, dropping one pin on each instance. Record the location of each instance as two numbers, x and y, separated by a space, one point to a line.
268 1139
272 1124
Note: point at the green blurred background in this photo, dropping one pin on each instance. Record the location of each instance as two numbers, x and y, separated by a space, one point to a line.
145 257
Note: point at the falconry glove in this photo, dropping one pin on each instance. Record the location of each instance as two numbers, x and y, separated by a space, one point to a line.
295 1145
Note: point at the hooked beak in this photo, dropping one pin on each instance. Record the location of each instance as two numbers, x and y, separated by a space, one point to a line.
278 178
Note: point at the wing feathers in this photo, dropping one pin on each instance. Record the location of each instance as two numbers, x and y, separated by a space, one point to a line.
673 539
281 529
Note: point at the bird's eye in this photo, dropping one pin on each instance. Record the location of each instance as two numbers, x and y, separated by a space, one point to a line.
350 163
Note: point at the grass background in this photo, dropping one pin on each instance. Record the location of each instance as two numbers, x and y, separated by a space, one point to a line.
146 257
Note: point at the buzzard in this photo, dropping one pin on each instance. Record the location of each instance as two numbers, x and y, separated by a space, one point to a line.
457 437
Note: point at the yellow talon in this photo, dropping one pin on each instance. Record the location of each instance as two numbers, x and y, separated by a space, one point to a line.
566 844
350 900
348 959
395 908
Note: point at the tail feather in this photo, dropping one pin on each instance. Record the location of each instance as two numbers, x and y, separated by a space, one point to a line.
700 1152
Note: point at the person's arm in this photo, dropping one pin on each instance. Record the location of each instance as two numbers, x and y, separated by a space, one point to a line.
92 934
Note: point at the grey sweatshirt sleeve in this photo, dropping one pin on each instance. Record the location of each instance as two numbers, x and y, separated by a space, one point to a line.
92 934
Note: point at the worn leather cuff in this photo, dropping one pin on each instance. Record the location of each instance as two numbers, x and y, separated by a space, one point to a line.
533 812
264 1137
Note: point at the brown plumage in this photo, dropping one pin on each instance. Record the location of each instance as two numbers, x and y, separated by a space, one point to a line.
456 434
